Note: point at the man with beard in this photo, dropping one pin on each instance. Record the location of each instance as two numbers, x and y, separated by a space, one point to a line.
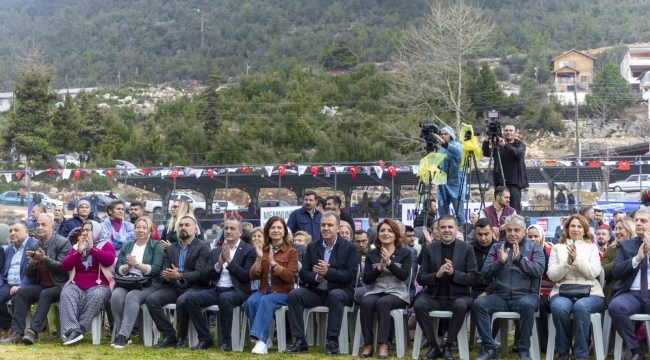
602 235
306 218
45 272
448 272
498 211
482 246
430 215
136 211
516 266
333 203
361 243
227 269
183 266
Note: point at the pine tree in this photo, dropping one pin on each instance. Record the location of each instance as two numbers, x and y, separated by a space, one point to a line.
487 94
338 57
65 124
610 94
91 127
211 119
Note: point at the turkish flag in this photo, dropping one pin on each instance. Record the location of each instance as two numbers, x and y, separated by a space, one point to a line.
109 173
353 171
622 165
174 173
19 175
594 164
76 174
281 170
48 171
392 171
245 170
314 170
211 173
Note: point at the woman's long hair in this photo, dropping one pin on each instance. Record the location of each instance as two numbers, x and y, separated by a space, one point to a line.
396 230
267 230
184 208
585 227
628 225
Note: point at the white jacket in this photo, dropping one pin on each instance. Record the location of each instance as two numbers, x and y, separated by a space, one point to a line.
584 270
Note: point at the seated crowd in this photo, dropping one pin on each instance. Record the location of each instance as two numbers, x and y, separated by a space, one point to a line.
121 266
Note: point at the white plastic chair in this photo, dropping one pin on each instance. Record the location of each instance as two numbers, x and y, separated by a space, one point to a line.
95 329
156 333
401 329
238 318
618 343
463 344
146 324
534 339
280 322
596 324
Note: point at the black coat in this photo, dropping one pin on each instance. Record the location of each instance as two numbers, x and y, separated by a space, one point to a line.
195 262
347 218
513 158
419 220
238 268
465 269
344 264
482 285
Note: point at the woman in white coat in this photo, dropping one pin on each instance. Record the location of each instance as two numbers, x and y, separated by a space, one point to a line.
574 267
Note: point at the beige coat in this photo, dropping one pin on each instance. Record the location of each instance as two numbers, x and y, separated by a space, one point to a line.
584 270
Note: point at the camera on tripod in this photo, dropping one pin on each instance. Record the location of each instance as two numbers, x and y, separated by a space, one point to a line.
494 130
427 132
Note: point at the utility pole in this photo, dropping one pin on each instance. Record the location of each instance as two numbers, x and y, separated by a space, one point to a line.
247 67
575 99
119 79
202 40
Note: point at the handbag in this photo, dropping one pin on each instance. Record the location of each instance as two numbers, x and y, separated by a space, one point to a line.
132 282
575 291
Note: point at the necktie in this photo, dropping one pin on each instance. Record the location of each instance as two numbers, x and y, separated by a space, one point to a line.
644 278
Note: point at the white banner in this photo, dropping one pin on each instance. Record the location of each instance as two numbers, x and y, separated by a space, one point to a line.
282 211
408 211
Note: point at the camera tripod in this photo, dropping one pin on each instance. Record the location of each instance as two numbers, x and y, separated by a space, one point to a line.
495 149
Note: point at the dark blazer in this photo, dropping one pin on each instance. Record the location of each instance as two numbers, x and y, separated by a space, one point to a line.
622 269
195 262
56 248
513 160
465 269
6 262
344 263
238 268
154 255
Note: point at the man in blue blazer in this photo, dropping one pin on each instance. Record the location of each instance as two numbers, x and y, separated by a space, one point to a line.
631 295
13 261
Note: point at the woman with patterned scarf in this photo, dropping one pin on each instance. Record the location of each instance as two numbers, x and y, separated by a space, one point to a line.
90 263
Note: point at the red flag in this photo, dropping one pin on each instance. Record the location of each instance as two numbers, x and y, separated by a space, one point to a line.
145 172
109 173
392 171
594 164
211 173
19 175
48 171
314 170
381 164
353 171
174 173
281 170
245 170
76 174
622 165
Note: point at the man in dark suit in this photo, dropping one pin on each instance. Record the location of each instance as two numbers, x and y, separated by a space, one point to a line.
448 271
13 261
182 268
227 270
630 295
328 273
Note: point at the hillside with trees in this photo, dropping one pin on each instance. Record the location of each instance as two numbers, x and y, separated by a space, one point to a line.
104 42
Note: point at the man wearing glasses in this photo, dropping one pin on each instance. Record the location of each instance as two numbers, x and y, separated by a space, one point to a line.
361 242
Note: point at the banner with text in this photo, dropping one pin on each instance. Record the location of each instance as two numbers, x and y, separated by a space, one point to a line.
282 211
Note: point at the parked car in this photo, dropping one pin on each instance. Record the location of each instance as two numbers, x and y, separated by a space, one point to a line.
46 200
630 184
12 198
122 164
221 206
61 160
272 203
101 205
196 202
611 196
629 198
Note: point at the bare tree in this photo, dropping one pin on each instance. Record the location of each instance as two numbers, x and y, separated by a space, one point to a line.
428 79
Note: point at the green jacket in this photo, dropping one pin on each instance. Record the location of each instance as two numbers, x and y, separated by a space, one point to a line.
607 262
153 255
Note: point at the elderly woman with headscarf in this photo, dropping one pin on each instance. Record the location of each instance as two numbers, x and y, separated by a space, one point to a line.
76 221
535 233
90 263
